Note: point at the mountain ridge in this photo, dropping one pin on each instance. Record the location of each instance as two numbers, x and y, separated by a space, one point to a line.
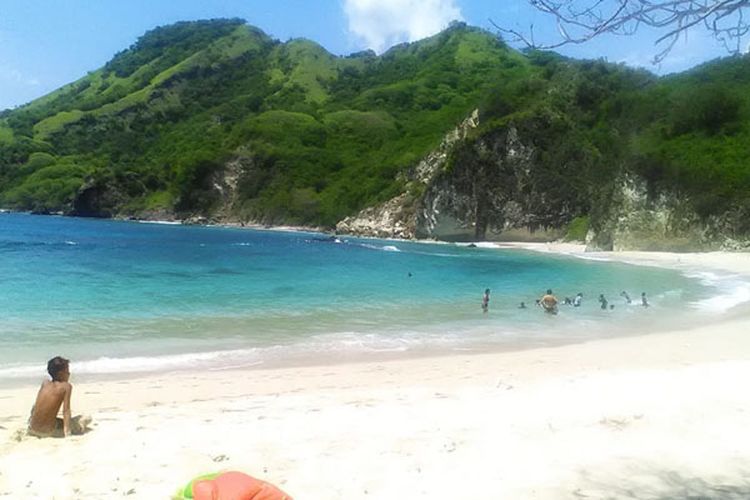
216 120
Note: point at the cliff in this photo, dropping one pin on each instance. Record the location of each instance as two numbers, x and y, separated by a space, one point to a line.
495 187
454 137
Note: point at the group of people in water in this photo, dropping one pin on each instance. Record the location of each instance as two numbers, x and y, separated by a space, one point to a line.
549 303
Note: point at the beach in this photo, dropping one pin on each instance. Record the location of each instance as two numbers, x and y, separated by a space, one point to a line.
657 416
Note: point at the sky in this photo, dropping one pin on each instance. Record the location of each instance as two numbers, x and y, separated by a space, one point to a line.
45 44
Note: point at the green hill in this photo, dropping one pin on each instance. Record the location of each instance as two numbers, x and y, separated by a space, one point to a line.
318 136
215 118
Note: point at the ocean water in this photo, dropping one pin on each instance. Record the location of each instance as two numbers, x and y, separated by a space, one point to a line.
124 297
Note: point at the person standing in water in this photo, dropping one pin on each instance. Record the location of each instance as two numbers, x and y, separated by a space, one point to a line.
549 302
644 300
603 301
486 301
577 300
625 295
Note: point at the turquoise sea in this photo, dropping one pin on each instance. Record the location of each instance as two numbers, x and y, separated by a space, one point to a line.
126 297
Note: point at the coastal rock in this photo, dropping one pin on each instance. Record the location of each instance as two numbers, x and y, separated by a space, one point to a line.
490 186
392 219
642 218
397 217
100 197
225 183
515 183
479 195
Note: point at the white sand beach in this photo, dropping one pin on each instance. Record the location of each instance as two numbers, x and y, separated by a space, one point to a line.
658 416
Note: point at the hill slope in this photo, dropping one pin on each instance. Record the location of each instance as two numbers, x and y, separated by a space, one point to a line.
311 137
216 119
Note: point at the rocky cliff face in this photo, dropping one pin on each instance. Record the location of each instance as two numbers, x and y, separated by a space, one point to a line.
487 191
392 219
397 218
470 189
497 186
640 219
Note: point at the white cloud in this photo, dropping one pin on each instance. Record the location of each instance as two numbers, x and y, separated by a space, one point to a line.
383 23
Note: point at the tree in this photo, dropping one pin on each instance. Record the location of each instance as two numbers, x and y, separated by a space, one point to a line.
581 20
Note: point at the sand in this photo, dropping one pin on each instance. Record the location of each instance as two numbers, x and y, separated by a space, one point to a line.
657 416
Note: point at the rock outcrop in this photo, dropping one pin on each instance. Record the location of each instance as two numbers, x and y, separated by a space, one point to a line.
392 219
471 188
486 192
502 185
640 218
397 217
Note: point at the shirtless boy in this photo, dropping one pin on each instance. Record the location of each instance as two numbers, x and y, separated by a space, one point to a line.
53 394
549 303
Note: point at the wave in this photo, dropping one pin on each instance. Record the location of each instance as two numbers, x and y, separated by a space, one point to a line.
161 222
24 245
733 291
385 248
139 364
324 344
329 345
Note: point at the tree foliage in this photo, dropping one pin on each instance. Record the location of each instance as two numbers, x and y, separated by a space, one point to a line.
579 21
305 137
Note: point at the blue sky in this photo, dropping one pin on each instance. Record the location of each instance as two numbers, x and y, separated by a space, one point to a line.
45 44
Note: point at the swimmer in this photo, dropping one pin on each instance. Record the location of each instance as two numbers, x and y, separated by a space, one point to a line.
486 301
626 296
522 305
644 300
549 302
603 301
577 300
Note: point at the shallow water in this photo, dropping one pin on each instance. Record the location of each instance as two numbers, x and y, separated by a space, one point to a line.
122 297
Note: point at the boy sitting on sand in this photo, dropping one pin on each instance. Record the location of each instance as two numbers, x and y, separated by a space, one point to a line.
54 393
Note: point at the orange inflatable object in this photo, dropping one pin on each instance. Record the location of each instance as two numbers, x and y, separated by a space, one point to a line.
236 486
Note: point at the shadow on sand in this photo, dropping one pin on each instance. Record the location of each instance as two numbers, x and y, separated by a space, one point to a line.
671 485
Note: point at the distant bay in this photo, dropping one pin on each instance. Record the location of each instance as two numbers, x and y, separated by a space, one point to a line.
128 297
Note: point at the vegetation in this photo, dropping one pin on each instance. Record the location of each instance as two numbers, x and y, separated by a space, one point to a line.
308 138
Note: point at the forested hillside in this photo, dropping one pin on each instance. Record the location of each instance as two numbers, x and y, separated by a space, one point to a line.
318 136
216 119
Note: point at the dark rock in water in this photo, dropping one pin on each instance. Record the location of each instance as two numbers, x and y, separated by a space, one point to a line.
471 245
98 198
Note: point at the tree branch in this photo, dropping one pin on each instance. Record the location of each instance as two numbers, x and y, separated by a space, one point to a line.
578 21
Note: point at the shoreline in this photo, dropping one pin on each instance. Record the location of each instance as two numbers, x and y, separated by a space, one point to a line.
653 416
600 419
730 262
